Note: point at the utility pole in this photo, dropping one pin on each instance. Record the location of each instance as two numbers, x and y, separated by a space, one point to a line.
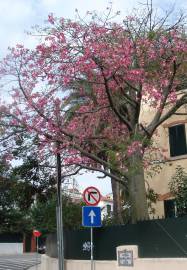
60 242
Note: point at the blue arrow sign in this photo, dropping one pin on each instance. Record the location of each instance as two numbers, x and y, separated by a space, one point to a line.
91 216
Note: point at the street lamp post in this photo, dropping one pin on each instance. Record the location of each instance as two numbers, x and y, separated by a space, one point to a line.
60 241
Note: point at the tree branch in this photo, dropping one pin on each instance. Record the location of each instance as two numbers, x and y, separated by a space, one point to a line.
113 107
179 103
106 173
154 123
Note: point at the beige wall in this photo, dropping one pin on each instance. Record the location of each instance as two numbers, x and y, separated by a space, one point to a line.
159 181
139 264
52 264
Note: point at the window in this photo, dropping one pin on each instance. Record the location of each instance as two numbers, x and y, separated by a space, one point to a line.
170 208
177 140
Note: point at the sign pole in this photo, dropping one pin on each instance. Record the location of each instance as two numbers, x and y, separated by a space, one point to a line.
37 234
59 215
37 252
37 243
91 215
92 262
59 246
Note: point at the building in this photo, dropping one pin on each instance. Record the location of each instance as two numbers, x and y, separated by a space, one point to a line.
106 204
71 189
171 145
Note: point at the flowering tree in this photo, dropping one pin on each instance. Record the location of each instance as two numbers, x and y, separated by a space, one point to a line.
115 69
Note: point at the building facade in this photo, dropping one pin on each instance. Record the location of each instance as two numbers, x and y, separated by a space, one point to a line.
106 205
171 147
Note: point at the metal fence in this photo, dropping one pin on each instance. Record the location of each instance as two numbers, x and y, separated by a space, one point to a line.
159 238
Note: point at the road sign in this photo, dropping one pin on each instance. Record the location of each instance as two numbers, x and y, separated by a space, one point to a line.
37 233
91 196
91 216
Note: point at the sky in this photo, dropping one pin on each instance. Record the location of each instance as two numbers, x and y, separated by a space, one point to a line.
17 17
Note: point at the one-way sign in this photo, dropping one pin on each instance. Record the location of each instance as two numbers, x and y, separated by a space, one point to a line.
91 216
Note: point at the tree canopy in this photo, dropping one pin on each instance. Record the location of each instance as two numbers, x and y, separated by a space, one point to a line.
28 200
116 69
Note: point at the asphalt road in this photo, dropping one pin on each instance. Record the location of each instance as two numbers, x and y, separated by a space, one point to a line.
19 262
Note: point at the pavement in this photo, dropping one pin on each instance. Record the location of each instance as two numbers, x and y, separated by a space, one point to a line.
36 267
20 261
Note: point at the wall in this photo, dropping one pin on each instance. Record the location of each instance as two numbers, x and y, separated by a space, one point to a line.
138 263
159 181
11 243
52 264
164 238
11 248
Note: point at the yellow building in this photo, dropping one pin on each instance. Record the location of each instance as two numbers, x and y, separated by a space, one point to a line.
170 137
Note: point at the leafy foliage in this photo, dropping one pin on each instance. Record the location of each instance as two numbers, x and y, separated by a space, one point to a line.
178 187
43 214
28 200
13 214
152 197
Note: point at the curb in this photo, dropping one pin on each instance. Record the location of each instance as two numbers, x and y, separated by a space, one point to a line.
35 267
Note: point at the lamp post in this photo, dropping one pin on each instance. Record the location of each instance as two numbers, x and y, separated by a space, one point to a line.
60 241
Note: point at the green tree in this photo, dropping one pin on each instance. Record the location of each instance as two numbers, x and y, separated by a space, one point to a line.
28 199
35 181
178 187
43 214
139 61
13 218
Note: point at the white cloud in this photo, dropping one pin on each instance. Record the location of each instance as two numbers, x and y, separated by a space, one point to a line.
16 16
19 15
17 10
90 179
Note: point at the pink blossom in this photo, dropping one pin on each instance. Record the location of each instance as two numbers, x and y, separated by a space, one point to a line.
51 18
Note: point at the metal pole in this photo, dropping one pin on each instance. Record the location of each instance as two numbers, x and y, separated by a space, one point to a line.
59 215
92 262
37 252
59 246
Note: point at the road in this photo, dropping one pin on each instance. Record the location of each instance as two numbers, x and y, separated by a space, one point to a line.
19 262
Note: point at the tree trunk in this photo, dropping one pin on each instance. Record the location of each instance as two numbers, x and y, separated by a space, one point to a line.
117 206
137 190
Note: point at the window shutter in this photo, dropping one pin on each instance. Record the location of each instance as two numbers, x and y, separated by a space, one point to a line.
177 140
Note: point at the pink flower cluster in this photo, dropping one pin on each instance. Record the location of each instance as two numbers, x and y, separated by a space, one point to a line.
136 146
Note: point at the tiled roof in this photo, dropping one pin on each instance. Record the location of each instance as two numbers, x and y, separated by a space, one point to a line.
105 198
162 197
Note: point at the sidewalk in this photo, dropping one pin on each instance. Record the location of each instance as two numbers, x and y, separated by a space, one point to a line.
36 267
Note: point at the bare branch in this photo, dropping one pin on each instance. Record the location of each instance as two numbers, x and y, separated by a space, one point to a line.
106 173
71 174
166 91
179 103
120 116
